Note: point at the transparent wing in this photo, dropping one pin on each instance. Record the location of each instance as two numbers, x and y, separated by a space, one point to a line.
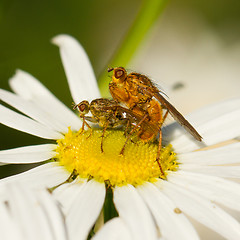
152 90
178 116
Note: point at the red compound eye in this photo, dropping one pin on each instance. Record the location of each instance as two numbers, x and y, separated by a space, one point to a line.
82 107
119 73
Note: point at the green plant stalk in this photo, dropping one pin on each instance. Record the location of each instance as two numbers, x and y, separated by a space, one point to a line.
147 16
109 209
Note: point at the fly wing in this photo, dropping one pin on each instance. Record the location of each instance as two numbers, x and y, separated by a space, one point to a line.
174 112
178 116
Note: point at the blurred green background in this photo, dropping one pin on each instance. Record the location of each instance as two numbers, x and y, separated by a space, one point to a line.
27 26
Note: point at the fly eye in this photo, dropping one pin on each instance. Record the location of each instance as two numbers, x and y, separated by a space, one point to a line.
82 107
119 73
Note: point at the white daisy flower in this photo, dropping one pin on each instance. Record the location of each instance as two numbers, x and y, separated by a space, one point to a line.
27 215
148 206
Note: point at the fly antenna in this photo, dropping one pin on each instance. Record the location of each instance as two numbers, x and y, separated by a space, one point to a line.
110 69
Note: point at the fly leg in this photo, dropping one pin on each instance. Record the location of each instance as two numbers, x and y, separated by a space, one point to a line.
159 151
90 119
83 125
89 127
131 132
160 143
84 122
104 130
126 128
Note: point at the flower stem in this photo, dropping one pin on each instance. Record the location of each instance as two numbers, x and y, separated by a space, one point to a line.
148 14
109 209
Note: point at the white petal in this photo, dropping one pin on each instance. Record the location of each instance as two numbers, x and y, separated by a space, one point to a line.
206 114
202 210
229 154
29 154
9 228
78 69
218 171
216 131
32 110
213 188
217 123
35 219
214 111
134 213
85 210
115 229
163 210
222 128
56 221
45 176
30 219
67 193
31 89
24 124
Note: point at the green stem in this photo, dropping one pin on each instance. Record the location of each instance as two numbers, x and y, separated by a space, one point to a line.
109 209
146 17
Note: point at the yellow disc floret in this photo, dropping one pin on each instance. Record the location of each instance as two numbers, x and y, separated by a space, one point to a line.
82 151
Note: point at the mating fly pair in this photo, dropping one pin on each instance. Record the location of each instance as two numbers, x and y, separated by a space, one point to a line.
142 112
107 114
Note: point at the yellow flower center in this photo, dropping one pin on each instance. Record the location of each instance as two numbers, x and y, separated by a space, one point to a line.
82 151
